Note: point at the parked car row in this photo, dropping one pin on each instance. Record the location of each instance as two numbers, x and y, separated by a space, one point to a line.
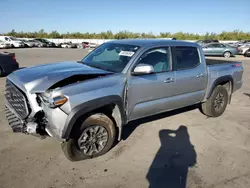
213 47
12 42
81 45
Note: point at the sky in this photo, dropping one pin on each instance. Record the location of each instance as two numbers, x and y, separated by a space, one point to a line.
194 16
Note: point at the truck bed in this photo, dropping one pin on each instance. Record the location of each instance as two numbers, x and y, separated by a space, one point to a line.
216 62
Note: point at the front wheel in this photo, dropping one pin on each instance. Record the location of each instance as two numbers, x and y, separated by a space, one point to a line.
217 102
94 137
227 54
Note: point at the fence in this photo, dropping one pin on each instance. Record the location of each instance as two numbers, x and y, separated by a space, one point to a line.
100 41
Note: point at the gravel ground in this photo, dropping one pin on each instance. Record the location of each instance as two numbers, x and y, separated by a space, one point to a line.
216 150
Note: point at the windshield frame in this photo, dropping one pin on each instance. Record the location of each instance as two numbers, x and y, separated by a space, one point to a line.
83 60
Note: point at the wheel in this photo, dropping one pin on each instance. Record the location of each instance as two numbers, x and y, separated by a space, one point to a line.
1 72
12 46
93 138
227 54
217 103
247 54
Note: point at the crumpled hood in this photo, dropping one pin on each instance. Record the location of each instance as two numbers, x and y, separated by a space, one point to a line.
39 78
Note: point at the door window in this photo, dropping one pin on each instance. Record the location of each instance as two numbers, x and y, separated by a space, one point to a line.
158 58
218 45
185 57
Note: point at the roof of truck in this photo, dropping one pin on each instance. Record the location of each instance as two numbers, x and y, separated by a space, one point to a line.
154 42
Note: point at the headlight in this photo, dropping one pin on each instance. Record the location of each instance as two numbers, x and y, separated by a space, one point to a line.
53 102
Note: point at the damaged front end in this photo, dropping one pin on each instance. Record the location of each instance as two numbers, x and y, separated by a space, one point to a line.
38 113
18 109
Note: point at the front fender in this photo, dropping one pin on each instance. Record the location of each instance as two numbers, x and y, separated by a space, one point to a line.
89 106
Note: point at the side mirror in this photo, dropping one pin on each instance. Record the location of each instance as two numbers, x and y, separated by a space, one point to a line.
142 69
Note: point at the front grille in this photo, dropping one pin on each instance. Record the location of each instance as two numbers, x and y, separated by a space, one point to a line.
16 99
15 123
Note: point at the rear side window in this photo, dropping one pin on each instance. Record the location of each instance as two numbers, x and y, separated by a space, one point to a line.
185 57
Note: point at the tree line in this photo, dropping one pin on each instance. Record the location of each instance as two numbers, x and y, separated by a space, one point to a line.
231 35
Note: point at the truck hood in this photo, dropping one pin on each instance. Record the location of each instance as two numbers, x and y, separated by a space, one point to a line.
40 78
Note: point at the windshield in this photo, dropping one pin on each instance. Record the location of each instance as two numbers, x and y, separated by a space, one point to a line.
45 40
14 39
110 56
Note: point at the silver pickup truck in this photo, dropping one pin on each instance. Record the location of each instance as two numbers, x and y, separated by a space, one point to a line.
85 104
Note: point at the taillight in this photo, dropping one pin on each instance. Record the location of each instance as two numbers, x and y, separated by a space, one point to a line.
237 65
14 58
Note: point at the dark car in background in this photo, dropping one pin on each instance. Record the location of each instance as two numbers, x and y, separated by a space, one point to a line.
8 63
47 42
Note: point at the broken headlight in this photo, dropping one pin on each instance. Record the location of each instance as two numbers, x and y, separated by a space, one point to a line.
53 102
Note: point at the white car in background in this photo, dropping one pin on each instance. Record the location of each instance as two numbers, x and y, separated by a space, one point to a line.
244 48
14 42
92 45
4 44
68 45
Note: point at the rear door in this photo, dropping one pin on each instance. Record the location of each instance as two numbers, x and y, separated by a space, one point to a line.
208 49
190 75
218 49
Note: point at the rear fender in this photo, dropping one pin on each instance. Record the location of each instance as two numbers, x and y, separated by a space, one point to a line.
221 81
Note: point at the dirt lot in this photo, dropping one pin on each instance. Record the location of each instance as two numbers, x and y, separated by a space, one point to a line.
217 150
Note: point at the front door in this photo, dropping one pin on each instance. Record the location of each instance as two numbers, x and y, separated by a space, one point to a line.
150 94
218 49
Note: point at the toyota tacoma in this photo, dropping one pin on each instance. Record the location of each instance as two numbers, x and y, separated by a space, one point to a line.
86 104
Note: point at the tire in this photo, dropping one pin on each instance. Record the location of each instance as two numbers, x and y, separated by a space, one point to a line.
107 130
227 54
219 94
12 46
1 72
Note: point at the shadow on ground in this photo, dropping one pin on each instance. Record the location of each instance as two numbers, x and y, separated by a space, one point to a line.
129 129
247 94
172 161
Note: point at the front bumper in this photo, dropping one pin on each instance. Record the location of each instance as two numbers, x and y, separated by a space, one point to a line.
50 126
44 122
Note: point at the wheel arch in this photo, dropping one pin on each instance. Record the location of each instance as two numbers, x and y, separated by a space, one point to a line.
226 81
112 106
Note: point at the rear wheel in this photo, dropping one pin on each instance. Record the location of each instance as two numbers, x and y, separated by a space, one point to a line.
93 138
217 102
227 54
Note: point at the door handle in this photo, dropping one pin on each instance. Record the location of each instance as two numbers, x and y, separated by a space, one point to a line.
200 75
169 80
